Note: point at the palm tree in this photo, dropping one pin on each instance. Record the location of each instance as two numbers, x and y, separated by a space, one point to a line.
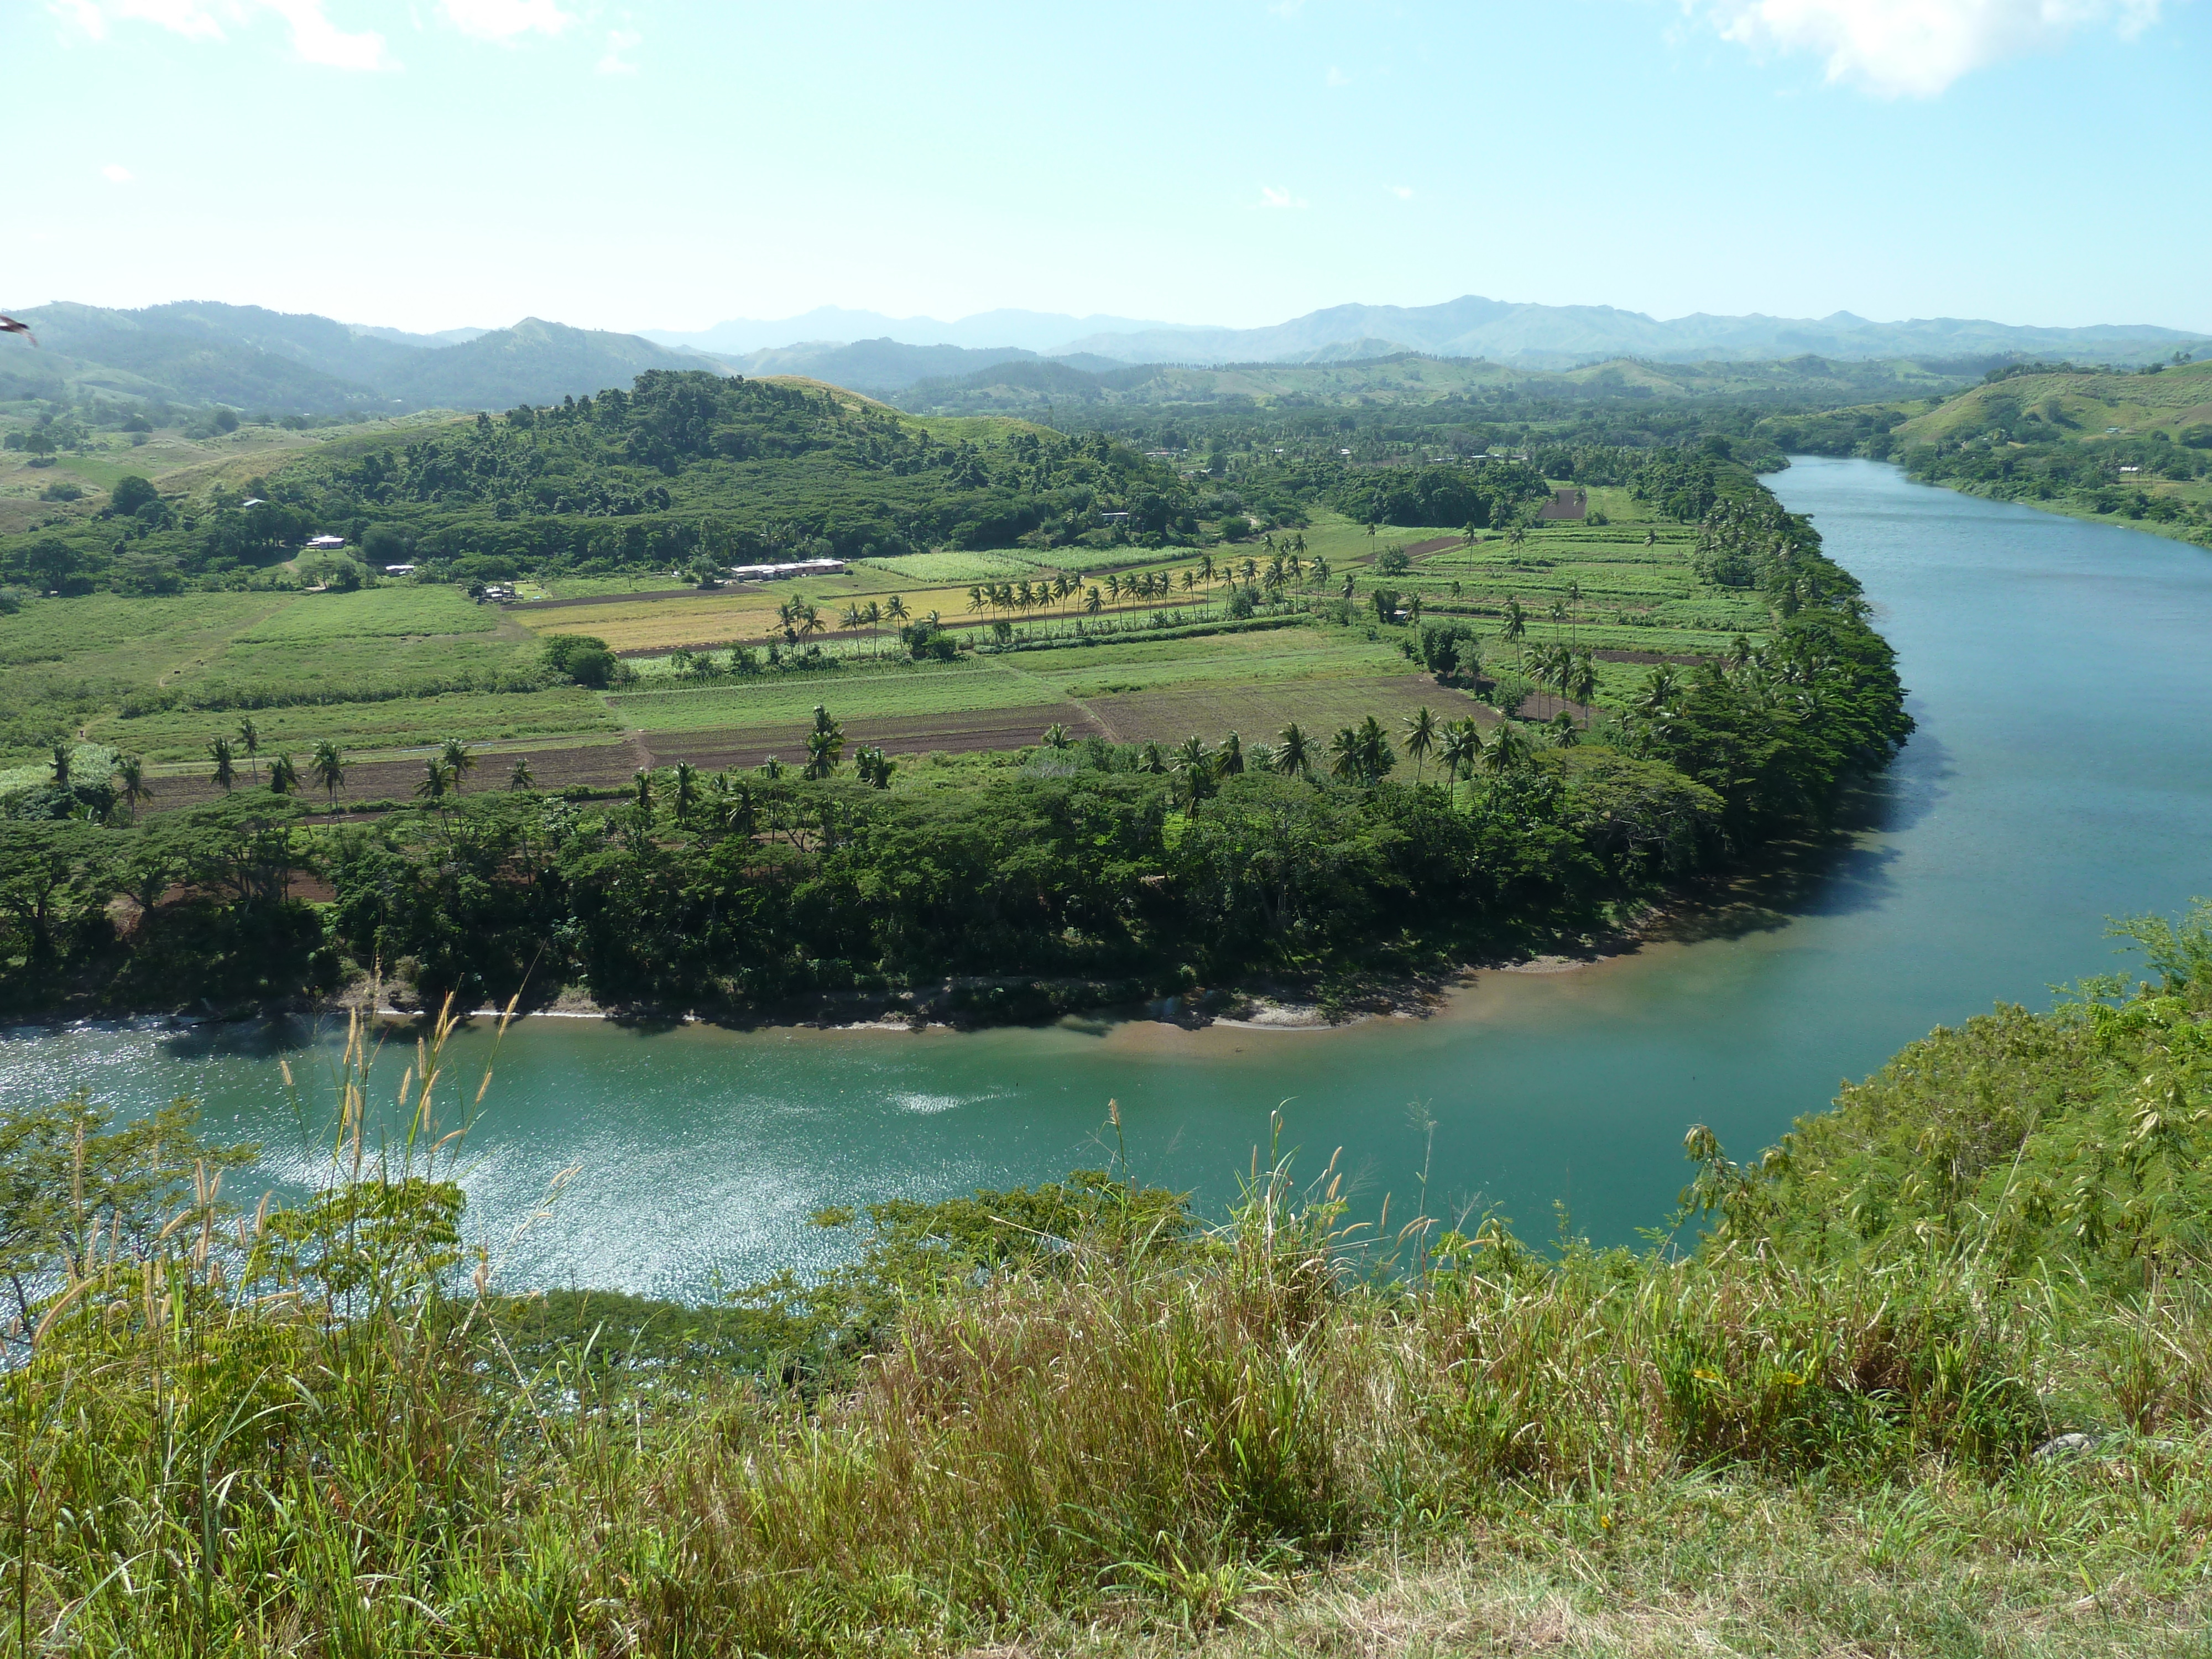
283 776
894 608
643 780
1420 737
327 766
1206 572
1377 757
873 616
1152 760
226 774
249 738
1293 752
521 777
1114 586
1516 631
130 772
1344 754
1581 680
1092 604
65 757
1575 600
1320 569
1457 752
1194 766
853 619
975 601
687 791
1508 750
1055 736
1229 763
1563 729
434 781
457 760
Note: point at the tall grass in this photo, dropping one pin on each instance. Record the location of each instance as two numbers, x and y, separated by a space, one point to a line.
308 1431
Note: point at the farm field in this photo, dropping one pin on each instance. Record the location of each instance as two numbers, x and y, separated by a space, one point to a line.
386 672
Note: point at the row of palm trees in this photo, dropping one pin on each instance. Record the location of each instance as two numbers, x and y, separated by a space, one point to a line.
1361 753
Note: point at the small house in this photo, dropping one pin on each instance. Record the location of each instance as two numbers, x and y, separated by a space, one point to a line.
325 543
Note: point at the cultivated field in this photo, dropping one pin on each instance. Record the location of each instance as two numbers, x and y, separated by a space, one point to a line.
389 673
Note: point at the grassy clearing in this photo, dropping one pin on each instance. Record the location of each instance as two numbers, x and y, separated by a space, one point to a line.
936 688
181 738
394 611
940 569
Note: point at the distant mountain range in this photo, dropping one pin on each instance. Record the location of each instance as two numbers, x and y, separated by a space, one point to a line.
197 352
1039 332
1528 336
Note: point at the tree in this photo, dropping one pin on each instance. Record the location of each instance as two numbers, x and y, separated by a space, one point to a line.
521 777
65 757
1420 737
1092 604
894 608
225 774
1563 730
1508 750
687 791
1377 757
1193 769
327 767
1229 763
457 760
283 776
249 739
1293 752
1055 736
434 783
1516 631
1344 754
1457 751
130 773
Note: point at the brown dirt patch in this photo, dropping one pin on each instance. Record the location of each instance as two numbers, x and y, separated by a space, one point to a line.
1434 545
737 747
1257 712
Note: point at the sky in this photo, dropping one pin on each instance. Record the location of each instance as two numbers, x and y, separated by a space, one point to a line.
430 164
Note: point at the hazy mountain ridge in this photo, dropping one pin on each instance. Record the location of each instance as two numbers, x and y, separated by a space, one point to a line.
1535 335
197 352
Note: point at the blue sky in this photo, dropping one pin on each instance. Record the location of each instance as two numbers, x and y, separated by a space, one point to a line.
439 163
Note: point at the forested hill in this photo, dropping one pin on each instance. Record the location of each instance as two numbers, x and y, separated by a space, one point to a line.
685 466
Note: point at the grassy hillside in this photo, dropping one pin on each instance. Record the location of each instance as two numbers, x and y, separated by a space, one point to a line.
2135 446
1935 1380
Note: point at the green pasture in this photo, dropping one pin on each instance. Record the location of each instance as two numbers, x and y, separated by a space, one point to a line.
182 735
920 569
932 689
398 609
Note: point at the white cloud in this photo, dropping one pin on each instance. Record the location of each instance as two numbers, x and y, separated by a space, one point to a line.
116 173
315 39
618 42
1915 48
1271 196
1403 192
503 20
1335 77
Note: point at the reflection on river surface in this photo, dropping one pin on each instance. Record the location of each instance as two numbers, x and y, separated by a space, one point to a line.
2062 773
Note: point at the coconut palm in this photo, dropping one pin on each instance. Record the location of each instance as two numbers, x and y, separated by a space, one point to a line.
642 780
521 777
1055 735
1114 587
1581 680
225 774
1563 729
1152 760
327 767
1193 769
894 608
1420 737
1508 750
1344 754
457 760
249 739
1093 602
1377 757
687 791
283 776
1293 752
433 786
1229 763
975 601
1457 751
1206 570
130 773
1515 632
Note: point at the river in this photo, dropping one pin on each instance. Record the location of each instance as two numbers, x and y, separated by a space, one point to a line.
2062 773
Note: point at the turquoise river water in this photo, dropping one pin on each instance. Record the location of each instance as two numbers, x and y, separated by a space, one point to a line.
2062 675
